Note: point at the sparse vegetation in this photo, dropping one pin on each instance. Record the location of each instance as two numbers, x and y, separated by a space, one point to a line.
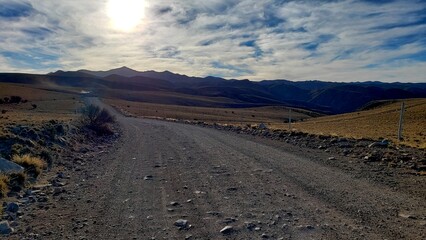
33 165
4 185
234 116
12 99
97 119
17 181
380 121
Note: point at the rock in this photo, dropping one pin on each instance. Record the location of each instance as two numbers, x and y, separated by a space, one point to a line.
5 228
174 204
227 230
57 191
229 220
187 237
12 207
264 235
60 175
7 166
406 215
310 227
262 126
331 158
181 223
382 144
149 177
250 226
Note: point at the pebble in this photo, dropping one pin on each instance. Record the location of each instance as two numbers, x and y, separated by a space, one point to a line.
264 235
149 177
181 223
250 226
5 228
12 207
406 215
227 230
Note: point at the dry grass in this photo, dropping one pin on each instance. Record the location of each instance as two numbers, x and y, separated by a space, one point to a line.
4 181
33 165
381 122
50 105
235 116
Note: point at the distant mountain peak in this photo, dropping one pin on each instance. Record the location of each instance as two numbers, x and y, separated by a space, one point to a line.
125 68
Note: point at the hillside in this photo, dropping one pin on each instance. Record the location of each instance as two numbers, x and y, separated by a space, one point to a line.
378 122
176 89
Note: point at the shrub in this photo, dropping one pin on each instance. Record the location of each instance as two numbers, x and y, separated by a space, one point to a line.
34 106
17 181
97 119
47 157
3 111
33 165
4 188
15 99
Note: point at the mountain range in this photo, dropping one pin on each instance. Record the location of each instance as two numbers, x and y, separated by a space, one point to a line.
171 88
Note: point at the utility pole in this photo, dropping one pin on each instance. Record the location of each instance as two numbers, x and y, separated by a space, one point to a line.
401 120
289 119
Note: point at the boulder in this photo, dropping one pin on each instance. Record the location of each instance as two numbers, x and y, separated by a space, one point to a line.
12 207
5 228
7 166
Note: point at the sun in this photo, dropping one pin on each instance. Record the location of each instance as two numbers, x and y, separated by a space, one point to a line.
125 15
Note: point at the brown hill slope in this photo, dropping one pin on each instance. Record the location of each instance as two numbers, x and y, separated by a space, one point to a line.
380 122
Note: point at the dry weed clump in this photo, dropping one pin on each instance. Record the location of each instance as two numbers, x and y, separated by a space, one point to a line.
4 185
33 165
97 119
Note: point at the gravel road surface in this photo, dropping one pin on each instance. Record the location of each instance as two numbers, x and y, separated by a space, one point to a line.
160 172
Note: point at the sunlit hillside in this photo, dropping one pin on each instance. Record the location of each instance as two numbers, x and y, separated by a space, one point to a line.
380 122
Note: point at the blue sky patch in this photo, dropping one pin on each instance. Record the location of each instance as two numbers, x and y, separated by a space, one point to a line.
15 10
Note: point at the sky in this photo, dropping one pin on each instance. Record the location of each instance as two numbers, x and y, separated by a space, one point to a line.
342 41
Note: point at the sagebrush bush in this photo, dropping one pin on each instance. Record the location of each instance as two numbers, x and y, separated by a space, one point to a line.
97 119
17 181
33 165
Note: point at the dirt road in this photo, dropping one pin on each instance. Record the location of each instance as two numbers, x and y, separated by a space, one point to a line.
160 172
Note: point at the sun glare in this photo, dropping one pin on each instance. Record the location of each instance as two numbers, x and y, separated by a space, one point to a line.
125 15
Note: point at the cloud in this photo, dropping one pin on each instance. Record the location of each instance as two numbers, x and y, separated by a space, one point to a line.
344 40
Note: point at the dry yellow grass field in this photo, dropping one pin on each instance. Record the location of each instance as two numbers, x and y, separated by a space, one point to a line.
235 116
381 122
377 123
51 105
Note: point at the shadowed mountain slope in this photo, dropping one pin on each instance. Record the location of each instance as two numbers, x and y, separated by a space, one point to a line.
171 88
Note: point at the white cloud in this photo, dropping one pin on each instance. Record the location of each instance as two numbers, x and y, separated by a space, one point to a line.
190 37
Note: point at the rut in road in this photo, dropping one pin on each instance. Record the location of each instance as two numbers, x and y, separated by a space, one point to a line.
220 179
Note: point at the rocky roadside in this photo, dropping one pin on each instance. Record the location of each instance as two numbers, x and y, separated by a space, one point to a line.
70 149
383 153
